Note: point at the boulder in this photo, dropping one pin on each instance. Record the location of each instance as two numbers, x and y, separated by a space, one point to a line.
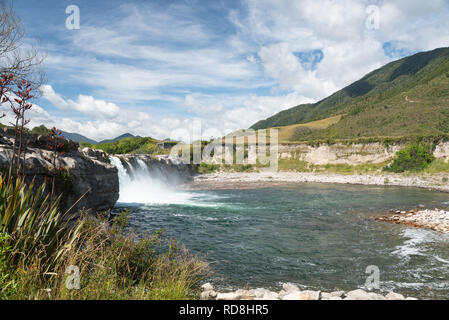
375 296
258 293
288 288
270 296
89 174
208 295
394 296
297 295
358 294
314 295
330 296
228 296
207 287
338 294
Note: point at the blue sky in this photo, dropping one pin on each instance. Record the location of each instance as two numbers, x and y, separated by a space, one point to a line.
151 67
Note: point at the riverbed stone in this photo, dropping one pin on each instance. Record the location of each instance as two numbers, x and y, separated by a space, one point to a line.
228 296
339 294
207 287
258 293
288 288
358 294
394 296
375 296
296 295
270 296
332 298
314 295
208 295
330 295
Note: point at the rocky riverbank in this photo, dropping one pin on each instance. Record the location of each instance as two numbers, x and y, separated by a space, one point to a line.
239 180
83 172
290 291
437 220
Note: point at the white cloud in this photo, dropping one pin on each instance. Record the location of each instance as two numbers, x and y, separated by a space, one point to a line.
204 107
85 104
172 60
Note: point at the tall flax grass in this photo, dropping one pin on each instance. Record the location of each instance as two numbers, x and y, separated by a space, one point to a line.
32 222
37 247
114 265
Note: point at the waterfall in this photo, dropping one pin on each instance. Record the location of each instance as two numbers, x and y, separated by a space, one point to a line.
145 186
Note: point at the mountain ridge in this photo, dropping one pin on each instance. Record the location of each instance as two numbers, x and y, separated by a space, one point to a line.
80 138
407 89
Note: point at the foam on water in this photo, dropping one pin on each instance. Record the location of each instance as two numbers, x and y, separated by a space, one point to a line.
141 187
414 245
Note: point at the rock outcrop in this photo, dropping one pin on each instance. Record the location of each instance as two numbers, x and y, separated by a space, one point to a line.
351 154
293 292
81 171
437 220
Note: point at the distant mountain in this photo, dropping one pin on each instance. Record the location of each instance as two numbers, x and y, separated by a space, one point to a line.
406 97
78 137
123 136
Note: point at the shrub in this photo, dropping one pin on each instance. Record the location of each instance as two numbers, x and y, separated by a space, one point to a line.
415 157
84 144
129 145
243 168
205 168
293 165
115 265
42 130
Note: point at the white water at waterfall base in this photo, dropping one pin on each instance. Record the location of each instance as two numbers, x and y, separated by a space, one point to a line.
141 186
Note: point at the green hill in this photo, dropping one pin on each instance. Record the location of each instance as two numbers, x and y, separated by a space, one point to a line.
123 136
78 137
136 145
405 97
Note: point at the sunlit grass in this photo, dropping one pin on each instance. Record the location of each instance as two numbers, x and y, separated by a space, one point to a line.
37 248
438 166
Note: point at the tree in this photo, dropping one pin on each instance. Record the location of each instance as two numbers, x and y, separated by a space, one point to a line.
23 63
42 130
20 78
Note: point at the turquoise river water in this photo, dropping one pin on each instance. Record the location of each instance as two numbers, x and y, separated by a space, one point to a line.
317 235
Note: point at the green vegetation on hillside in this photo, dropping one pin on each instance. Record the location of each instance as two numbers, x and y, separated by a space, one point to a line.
128 145
135 145
42 130
415 157
407 97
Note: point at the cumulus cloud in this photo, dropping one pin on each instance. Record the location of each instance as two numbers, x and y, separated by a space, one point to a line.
85 104
179 66
202 104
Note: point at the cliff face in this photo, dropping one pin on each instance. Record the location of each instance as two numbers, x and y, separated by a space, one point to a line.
323 154
353 154
82 171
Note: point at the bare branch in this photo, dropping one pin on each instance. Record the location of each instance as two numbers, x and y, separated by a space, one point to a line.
16 58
